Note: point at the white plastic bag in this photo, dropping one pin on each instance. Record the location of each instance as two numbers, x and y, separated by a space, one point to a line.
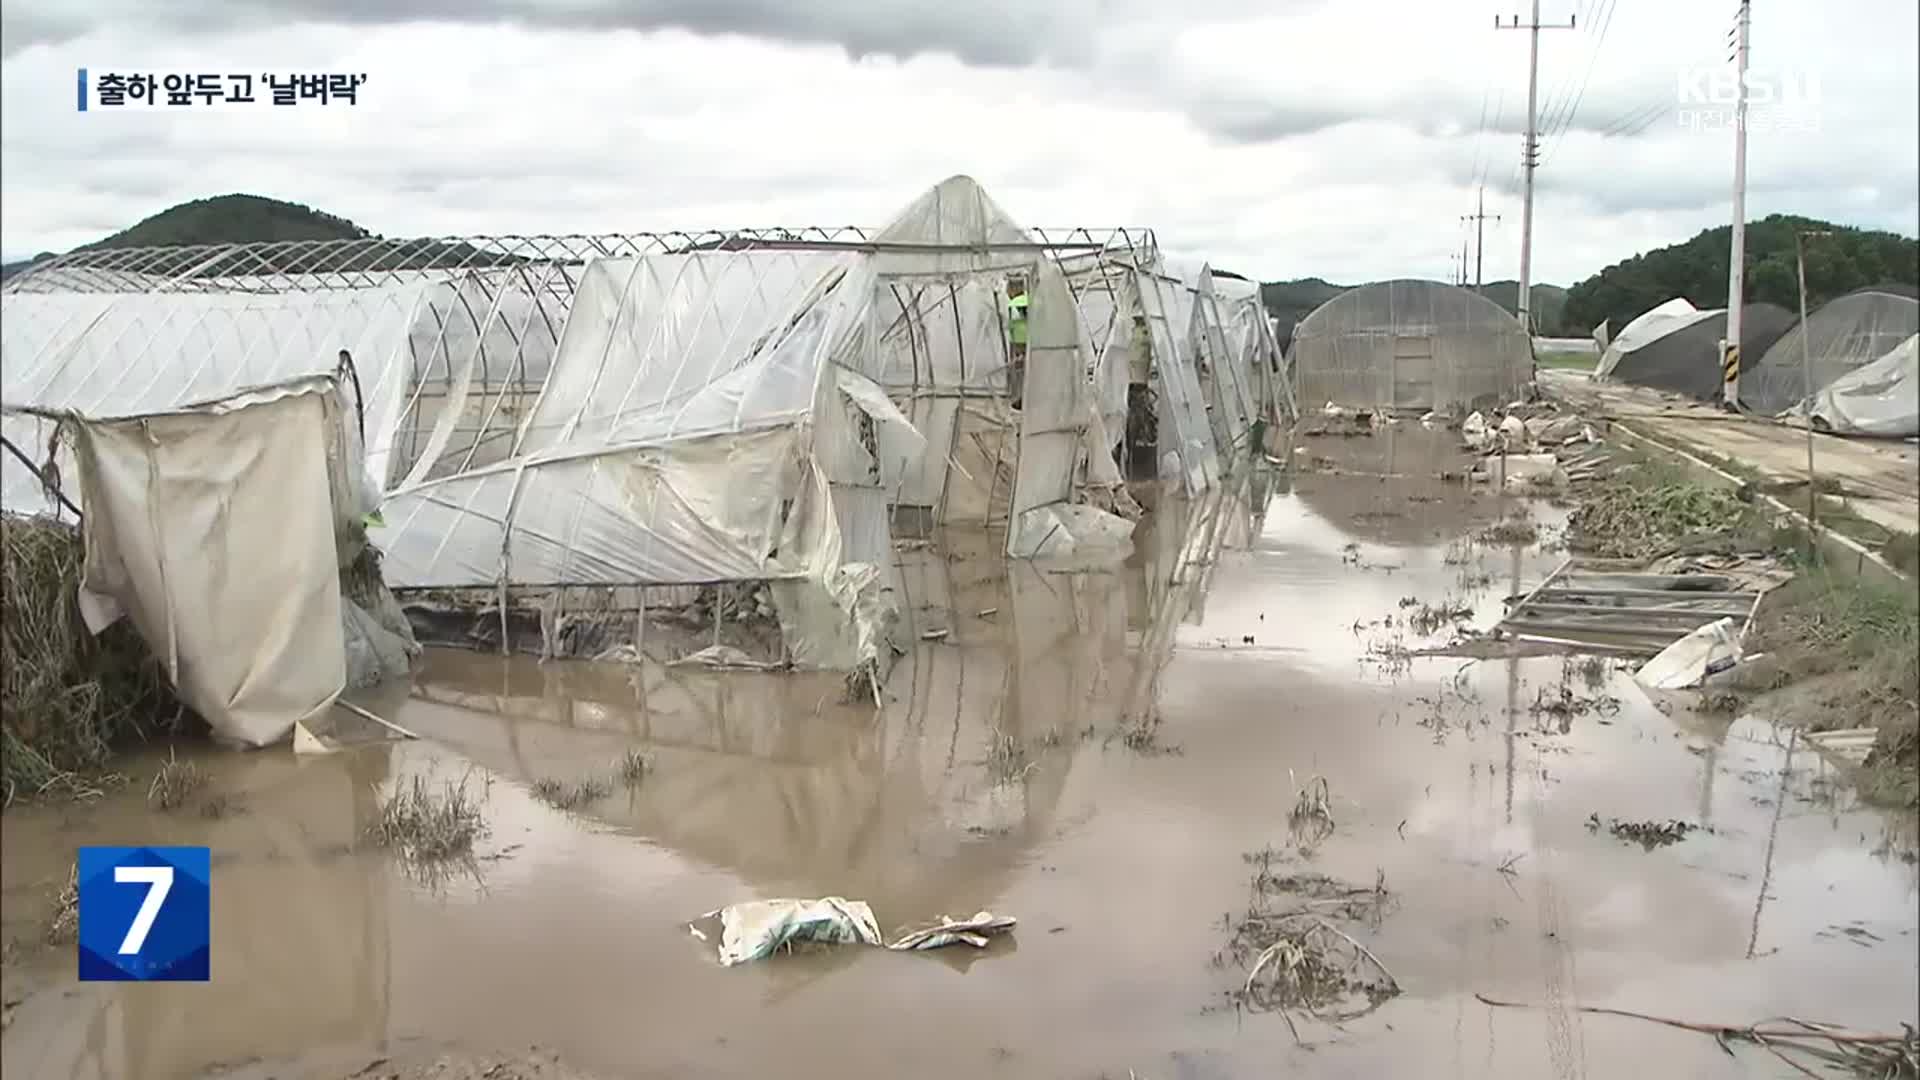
1707 651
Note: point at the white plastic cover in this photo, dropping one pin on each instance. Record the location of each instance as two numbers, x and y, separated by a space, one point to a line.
666 441
1881 398
1652 325
214 531
418 342
941 333
1847 333
1184 429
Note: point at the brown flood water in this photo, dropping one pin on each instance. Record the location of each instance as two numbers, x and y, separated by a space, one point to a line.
570 930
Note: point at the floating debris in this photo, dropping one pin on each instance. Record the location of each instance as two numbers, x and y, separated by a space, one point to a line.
1648 834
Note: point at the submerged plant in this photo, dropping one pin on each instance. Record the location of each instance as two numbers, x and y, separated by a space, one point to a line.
427 825
562 795
175 783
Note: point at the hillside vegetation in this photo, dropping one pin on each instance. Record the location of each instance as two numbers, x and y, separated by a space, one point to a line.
233 219
222 219
1697 270
254 219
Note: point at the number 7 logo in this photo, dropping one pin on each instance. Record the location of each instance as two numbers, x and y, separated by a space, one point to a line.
159 931
158 880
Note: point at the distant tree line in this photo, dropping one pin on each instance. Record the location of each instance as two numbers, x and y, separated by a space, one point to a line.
1697 270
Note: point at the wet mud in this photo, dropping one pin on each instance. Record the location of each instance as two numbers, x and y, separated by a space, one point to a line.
997 775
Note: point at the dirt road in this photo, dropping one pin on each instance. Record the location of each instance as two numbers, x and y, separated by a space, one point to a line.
1879 478
1456 785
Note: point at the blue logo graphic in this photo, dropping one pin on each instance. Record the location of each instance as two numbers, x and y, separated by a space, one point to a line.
144 913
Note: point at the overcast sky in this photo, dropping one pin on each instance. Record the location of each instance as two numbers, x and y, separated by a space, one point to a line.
1282 138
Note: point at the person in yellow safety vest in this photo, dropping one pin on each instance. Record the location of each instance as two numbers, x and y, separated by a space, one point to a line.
1017 338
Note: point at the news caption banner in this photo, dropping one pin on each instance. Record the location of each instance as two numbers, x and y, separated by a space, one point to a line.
123 89
145 914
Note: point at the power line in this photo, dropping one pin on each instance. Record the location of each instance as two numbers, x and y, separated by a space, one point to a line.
1480 133
1566 121
1632 118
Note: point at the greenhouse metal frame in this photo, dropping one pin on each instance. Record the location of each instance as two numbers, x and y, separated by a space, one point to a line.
754 344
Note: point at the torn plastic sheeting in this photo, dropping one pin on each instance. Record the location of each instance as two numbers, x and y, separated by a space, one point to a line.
1876 399
1065 529
1514 431
872 400
1475 431
1506 470
1708 650
975 932
726 657
755 929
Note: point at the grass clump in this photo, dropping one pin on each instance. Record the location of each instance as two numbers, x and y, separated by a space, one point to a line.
1510 531
632 767
426 825
67 698
1653 508
175 784
1902 550
562 795
63 927
1854 645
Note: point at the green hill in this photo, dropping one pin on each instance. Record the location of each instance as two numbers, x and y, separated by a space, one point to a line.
222 219
1549 304
253 219
1697 269
233 219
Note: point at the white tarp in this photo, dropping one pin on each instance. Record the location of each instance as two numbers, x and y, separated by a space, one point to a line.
1651 326
756 929
418 342
664 443
214 531
1881 398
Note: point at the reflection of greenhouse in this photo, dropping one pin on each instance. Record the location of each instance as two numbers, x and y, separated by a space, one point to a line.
1387 489
301 946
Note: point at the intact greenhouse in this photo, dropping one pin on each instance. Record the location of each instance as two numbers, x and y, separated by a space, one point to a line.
1409 345
1845 334
554 443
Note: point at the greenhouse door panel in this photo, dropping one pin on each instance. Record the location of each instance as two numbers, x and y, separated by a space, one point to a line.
1412 372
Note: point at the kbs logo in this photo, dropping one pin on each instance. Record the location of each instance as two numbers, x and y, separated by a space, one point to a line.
1786 100
144 914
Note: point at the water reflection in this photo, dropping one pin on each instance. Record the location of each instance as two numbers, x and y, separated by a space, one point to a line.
920 807
300 942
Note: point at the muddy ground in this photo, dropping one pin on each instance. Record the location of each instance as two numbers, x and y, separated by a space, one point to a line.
997 776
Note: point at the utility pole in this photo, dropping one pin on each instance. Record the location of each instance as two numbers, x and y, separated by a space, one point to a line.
1529 153
1479 219
1806 374
1463 259
1737 262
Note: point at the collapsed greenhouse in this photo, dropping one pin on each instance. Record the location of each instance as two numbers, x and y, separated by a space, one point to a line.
1409 345
1676 347
555 442
1844 335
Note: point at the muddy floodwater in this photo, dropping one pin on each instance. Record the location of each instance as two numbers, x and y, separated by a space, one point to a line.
994 777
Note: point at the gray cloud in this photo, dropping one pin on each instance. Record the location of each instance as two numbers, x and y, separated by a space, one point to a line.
982 32
1265 144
